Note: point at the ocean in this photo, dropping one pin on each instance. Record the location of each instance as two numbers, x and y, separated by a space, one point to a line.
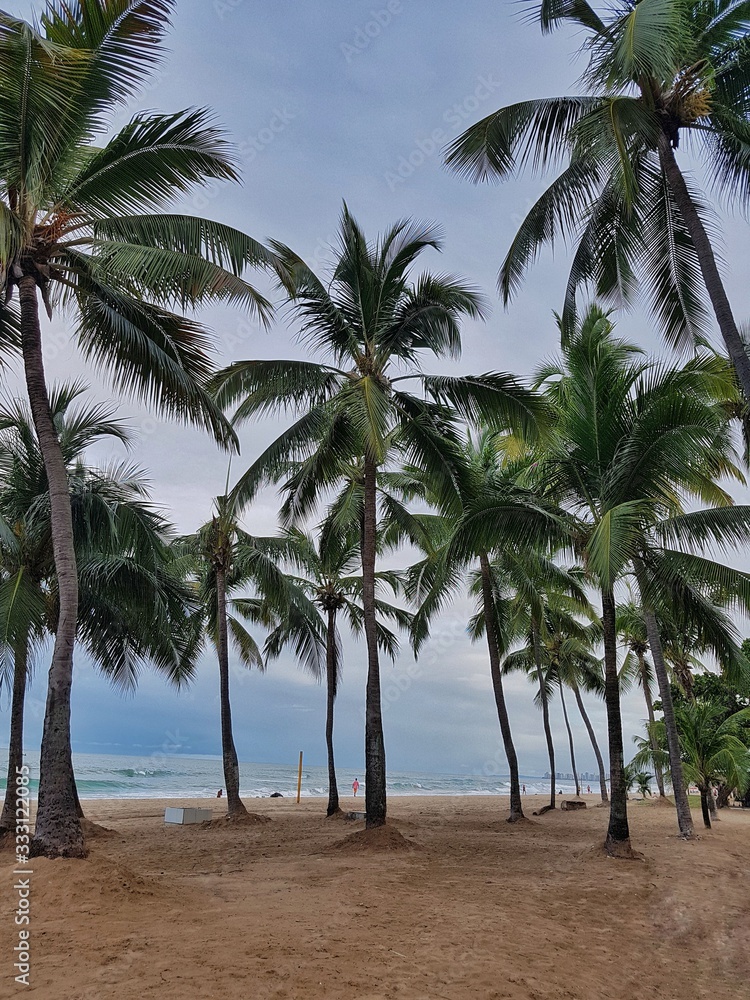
106 776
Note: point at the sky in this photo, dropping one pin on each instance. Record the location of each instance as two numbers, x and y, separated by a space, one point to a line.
330 102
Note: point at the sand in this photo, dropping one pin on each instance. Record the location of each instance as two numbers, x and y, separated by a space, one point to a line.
449 903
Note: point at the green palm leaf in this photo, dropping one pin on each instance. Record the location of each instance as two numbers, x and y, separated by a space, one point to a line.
151 161
531 133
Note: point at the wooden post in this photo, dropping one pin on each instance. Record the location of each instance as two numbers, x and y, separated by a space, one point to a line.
299 778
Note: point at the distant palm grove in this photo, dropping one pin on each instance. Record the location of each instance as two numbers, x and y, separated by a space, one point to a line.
587 508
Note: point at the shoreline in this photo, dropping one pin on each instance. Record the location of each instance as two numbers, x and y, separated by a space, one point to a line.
109 776
101 804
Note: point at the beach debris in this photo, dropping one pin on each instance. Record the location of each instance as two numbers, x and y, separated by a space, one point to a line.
354 816
543 810
183 817
568 804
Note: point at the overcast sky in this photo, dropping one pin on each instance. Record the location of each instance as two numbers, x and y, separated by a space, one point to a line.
330 101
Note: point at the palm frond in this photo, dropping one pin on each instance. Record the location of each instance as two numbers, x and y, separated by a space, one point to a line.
149 163
531 133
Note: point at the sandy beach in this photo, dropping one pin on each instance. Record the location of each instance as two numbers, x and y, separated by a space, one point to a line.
467 907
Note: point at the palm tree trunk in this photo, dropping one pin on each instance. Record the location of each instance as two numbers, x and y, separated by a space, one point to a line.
707 261
375 794
15 740
594 744
651 734
684 818
570 739
545 716
58 830
516 808
79 807
712 805
618 832
235 806
331 679
705 793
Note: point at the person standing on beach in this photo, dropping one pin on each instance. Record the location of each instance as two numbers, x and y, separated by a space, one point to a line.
355 787
524 790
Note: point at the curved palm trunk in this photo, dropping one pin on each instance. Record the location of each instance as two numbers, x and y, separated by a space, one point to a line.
722 800
707 261
375 794
15 739
570 739
58 830
516 808
684 818
651 734
545 717
331 678
235 806
618 832
594 744
679 790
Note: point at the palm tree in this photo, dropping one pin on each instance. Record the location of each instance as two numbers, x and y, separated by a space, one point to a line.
581 676
657 70
632 439
637 779
133 609
717 689
566 660
495 566
631 628
684 643
222 559
571 744
712 748
331 583
371 319
679 586
81 229
577 667
635 441
643 783
556 642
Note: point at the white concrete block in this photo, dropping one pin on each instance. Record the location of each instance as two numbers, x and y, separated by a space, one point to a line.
184 817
